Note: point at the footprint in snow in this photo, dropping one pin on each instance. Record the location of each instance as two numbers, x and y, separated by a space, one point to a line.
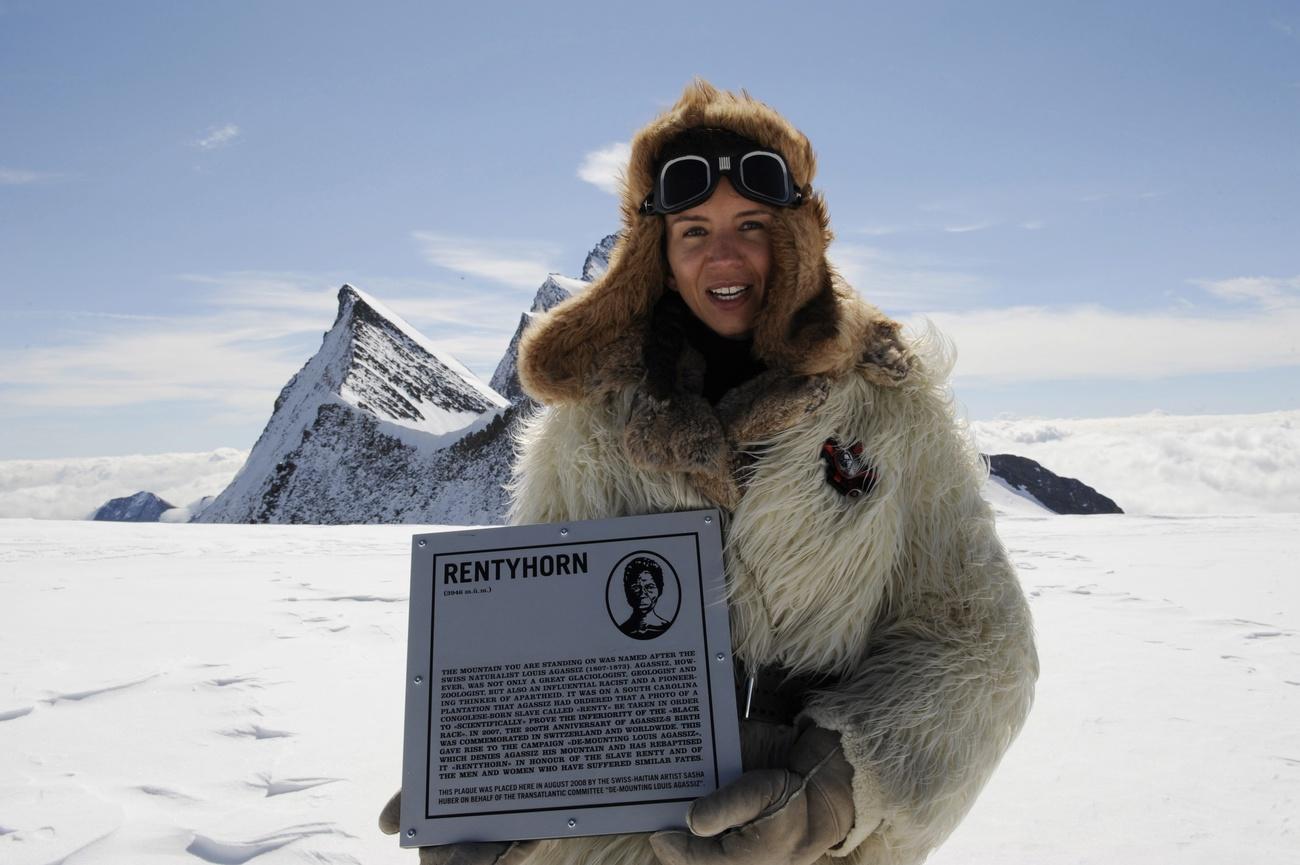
278 787
223 852
166 793
382 599
76 696
11 714
256 731
227 681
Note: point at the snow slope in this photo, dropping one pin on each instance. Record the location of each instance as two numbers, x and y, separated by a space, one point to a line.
228 694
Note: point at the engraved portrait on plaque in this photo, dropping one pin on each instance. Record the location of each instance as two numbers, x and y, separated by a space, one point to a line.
643 595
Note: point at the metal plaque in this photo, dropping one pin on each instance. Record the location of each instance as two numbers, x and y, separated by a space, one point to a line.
566 679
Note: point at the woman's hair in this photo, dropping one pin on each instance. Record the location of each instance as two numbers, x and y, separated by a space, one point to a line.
634 569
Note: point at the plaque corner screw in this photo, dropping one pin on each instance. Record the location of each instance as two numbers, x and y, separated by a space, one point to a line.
423 542
410 833
572 823
708 519
419 680
564 531
720 656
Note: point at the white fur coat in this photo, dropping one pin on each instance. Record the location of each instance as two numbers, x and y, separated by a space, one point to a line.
905 593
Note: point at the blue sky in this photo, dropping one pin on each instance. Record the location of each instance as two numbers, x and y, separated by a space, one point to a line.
1098 203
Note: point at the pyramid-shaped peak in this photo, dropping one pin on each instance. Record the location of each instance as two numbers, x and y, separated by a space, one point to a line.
375 385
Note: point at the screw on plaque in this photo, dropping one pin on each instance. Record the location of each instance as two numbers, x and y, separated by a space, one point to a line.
708 519
564 531
410 833
572 822
419 680
720 656
422 542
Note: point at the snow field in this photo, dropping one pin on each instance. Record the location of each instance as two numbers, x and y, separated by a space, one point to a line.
231 693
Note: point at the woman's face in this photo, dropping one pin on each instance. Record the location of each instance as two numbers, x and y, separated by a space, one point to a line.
720 258
643 592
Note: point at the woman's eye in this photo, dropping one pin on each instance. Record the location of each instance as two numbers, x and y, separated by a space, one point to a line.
750 224
693 231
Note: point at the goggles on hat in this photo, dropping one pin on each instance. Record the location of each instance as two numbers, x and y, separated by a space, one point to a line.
759 175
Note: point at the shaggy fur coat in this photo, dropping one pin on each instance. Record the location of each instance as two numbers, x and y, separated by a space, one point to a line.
904 592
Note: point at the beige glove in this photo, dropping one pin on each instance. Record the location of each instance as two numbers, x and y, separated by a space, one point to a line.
483 853
775 816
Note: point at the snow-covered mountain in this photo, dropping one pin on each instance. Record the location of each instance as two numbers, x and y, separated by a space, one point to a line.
359 434
1060 495
598 259
555 289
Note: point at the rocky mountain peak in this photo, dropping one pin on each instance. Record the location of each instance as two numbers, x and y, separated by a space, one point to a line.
395 374
375 385
598 259
554 290
143 507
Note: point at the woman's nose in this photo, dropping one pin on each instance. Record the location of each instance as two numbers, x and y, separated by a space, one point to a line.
724 247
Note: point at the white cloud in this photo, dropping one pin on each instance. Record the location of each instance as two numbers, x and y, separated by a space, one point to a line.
1167 464
1025 343
1267 291
968 227
259 330
883 230
522 264
21 177
235 358
604 168
904 282
238 362
270 291
72 489
218 136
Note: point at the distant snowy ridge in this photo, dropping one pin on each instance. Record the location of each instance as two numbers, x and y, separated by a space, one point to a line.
598 259
1060 495
357 434
143 507
554 290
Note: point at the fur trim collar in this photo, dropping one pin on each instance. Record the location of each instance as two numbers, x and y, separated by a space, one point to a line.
812 324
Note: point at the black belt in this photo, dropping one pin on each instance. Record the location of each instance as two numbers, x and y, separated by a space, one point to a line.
774 694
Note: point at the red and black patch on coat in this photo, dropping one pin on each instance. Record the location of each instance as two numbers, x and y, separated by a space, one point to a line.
848 470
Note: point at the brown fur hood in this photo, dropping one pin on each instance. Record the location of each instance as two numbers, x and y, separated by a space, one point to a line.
812 322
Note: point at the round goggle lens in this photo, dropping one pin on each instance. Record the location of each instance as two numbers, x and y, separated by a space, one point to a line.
764 174
683 180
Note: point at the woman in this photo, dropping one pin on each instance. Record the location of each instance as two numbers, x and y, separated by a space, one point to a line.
720 361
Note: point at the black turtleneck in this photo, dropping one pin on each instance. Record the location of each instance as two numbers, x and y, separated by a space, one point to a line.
728 362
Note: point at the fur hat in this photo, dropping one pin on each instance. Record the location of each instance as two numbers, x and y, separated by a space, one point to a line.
811 323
